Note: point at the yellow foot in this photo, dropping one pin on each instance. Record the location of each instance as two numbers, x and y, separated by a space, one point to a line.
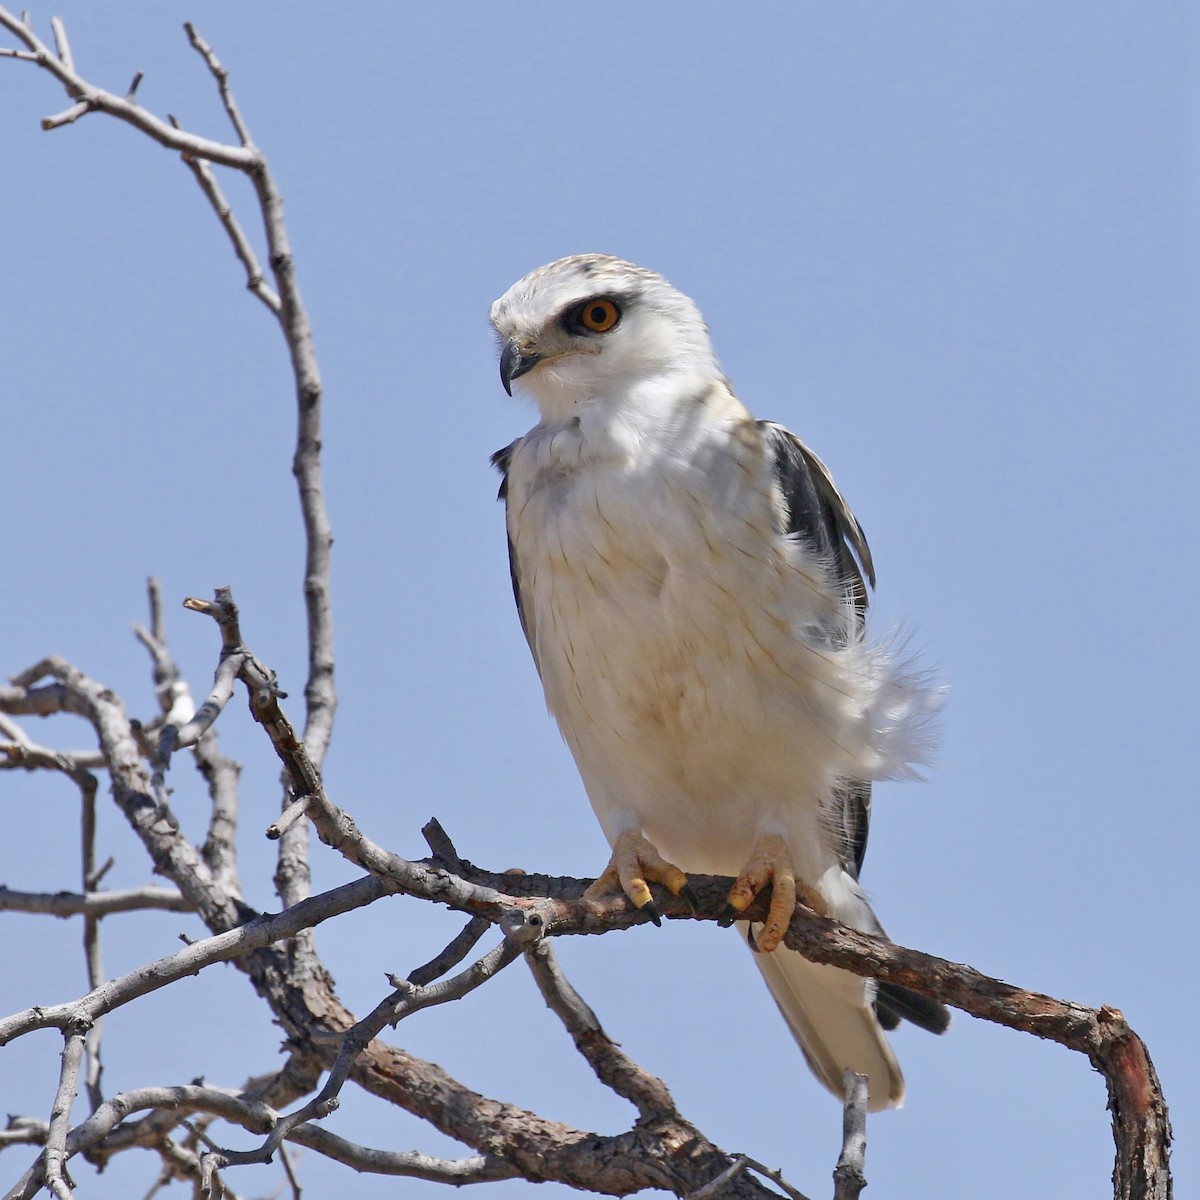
634 862
771 863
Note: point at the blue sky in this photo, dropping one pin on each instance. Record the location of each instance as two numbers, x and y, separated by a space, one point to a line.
955 247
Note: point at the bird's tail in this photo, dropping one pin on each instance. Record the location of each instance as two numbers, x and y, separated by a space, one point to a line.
831 1016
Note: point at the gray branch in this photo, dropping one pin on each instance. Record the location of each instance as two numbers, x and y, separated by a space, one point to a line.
89 98
54 1157
223 947
848 1177
93 904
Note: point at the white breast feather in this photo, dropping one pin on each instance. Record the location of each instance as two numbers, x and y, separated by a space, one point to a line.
678 638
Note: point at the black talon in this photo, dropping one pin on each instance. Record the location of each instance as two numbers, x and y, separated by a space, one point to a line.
652 912
729 914
689 894
750 939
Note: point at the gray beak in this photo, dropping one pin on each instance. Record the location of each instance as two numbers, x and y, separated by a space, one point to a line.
514 364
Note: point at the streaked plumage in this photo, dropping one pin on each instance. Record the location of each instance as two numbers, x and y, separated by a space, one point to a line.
693 589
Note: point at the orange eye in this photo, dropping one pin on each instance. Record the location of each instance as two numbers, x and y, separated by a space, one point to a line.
599 315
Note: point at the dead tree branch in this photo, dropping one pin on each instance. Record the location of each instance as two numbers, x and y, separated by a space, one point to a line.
286 305
848 1177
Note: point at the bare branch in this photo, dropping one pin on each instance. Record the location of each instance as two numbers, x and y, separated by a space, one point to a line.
91 937
1141 1127
143 805
481 1168
179 1100
848 1177
68 116
93 99
93 904
453 954
256 282
293 813
286 1160
293 874
175 737
177 1103
24 1131
406 1000
613 1067
222 947
220 846
61 43
20 751
222 77
55 1154
221 774
743 1162
171 691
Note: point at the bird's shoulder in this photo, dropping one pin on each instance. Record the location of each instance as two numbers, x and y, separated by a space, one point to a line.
502 460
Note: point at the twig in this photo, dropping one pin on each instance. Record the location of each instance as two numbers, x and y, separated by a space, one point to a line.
93 904
55 1154
94 99
743 1162
613 1067
24 1131
452 955
61 43
256 282
222 947
20 751
171 691
91 938
222 776
144 806
440 845
406 1000
222 77
286 1160
481 1168
293 813
178 1102
183 726
848 1177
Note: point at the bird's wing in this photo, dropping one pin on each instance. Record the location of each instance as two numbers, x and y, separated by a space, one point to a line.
816 511
500 461
819 513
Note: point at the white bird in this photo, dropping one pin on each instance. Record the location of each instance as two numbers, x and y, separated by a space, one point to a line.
690 582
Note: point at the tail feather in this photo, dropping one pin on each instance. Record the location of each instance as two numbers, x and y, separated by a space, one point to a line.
831 1015
894 1004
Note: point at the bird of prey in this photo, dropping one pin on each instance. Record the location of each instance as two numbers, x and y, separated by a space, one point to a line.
693 587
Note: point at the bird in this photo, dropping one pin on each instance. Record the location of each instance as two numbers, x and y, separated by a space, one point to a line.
693 589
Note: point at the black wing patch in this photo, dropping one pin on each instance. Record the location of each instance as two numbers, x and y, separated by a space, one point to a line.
816 511
500 461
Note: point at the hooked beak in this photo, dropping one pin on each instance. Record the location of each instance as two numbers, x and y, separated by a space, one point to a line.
514 363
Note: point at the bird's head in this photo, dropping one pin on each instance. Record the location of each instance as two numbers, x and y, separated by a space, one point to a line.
592 328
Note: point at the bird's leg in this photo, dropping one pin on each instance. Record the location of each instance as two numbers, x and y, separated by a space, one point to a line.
634 861
770 862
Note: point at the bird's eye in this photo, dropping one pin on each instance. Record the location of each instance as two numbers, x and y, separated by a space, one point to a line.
599 316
